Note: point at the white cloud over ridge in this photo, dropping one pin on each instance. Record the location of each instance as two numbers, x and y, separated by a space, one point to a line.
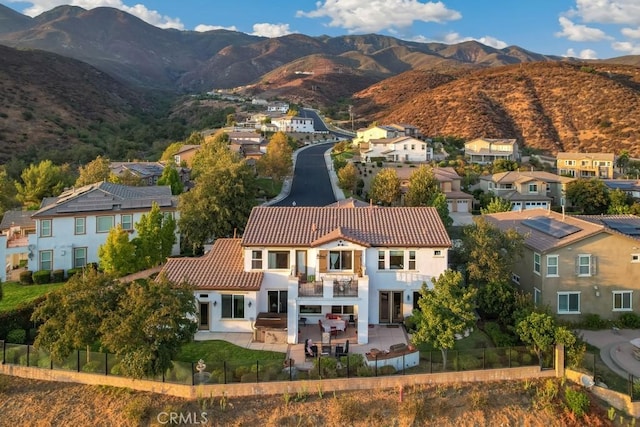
204 28
372 16
608 11
580 33
265 29
152 17
584 54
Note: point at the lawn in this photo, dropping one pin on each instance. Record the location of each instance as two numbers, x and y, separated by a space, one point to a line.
15 293
476 340
216 350
270 187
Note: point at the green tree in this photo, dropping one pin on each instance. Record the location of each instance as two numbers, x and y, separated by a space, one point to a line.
156 237
591 196
7 192
206 214
231 119
497 301
277 161
490 253
541 331
171 178
385 187
504 165
95 171
72 314
117 255
149 324
496 205
126 178
42 180
424 190
348 177
619 202
622 162
445 311
170 151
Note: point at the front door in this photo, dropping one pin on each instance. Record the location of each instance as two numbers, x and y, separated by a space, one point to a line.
277 301
203 324
390 307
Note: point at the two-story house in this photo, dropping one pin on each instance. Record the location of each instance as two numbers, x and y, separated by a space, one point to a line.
147 172
629 186
71 227
386 132
304 262
293 124
278 107
586 165
184 156
527 190
399 149
577 265
15 228
488 150
450 185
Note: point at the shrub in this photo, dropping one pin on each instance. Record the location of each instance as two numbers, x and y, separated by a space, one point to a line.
26 277
138 409
499 338
386 370
42 276
594 321
629 321
410 323
17 336
379 164
576 400
19 317
57 276
73 271
91 366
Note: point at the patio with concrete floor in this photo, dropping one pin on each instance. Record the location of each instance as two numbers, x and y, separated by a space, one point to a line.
616 349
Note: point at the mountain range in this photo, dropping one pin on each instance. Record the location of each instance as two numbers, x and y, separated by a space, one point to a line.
467 89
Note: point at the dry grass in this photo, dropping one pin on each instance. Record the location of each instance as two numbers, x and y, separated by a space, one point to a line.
489 404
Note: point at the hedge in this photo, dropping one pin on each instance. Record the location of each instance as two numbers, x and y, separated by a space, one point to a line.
42 277
19 317
26 277
57 276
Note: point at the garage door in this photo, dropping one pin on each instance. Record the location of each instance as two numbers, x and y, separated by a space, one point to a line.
463 206
450 205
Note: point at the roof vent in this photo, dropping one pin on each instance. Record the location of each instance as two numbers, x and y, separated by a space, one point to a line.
314 227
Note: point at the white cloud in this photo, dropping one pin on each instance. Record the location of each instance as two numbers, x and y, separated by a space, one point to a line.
608 11
584 54
627 48
631 33
152 17
372 16
580 33
453 38
203 28
271 30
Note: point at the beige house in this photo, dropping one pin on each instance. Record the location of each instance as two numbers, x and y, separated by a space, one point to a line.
577 265
185 154
450 185
386 132
527 190
487 150
586 165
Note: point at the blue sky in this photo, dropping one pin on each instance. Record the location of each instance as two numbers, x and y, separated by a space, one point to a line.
579 28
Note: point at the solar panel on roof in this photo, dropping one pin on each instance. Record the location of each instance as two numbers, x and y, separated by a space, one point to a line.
551 226
630 227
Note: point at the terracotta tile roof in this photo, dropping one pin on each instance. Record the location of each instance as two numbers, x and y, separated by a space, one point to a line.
220 269
537 240
377 226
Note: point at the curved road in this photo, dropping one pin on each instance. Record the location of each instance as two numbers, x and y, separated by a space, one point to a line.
311 185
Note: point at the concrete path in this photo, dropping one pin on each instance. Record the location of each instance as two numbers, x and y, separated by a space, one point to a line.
615 349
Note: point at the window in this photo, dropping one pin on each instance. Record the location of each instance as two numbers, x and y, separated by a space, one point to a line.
552 266
104 224
256 260
635 257
79 257
536 263
405 147
424 147
413 146
583 265
232 306
533 188
46 260
80 226
310 309
342 309
537 297
412 260
515 278
437 252
622 300
396 260
340 260
127 222
278 260
45 228
381 257
568 302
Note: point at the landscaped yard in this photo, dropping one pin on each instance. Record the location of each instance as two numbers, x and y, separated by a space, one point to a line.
476 340
270 187
219 351
15 293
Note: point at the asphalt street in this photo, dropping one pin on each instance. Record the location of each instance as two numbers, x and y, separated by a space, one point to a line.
311 185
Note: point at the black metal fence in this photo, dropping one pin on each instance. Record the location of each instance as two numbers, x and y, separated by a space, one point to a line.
598 373
322 367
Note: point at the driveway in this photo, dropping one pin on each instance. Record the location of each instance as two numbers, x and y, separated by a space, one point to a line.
311 185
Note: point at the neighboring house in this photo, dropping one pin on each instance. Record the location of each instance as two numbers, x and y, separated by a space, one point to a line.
15 228
400 149
148 172
278 107
185 154
385 132
450 185
527 190
629 186
293 124
487 150
71 227
259 101
304 262
577 265
586 165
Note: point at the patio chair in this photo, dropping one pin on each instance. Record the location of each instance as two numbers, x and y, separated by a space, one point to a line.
334 331
344 351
